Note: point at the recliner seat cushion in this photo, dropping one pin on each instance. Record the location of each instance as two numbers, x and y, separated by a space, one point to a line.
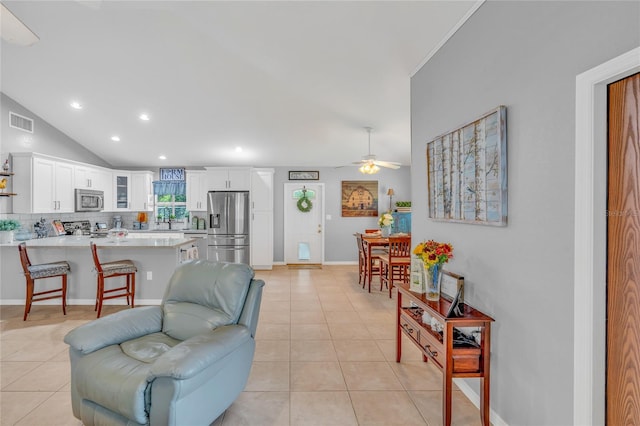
148 348
214 296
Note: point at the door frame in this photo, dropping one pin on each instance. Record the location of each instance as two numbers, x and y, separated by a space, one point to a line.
322 218
590 232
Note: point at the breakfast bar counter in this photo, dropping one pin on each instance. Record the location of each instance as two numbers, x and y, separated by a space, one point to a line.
155 257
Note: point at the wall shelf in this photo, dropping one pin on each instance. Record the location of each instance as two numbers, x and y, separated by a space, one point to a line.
7 194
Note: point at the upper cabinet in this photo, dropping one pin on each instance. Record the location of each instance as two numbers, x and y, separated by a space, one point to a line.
132 191
228 179
96 178
44 184
196 190
121 181
141 191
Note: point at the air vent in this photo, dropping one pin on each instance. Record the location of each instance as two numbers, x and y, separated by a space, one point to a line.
18 121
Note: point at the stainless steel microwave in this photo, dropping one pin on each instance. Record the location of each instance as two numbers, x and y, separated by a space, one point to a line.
89 200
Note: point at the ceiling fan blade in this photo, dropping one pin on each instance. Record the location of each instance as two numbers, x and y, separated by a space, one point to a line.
387 164
360 162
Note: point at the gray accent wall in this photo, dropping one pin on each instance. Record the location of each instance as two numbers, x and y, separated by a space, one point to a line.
526 56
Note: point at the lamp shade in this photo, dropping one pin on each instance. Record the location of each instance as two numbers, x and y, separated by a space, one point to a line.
390 192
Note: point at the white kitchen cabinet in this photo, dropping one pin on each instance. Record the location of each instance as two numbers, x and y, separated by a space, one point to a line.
262 240
141 191
87 177
228 179
121 190
262 189
43 184
96 178
262 218
196 190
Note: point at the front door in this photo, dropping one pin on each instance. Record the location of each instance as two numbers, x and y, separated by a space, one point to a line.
623 254
304 223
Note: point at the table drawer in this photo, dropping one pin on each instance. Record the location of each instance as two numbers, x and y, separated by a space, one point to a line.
432 346
465 359
410 327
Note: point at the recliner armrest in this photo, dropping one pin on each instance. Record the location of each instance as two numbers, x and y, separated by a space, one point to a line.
115 329
193 355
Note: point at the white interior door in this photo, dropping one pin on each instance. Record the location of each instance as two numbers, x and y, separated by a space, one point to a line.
303 231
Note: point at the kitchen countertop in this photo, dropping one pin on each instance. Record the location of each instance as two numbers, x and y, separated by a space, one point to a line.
168 231
71 241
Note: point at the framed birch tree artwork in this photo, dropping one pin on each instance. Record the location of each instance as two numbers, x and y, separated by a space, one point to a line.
467 172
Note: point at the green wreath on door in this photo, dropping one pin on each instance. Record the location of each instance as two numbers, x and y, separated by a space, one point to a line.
304 204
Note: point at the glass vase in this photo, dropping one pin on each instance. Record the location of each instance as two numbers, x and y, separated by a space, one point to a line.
432 279
385 231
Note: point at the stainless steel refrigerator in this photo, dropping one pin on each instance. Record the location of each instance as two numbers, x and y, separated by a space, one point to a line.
228 239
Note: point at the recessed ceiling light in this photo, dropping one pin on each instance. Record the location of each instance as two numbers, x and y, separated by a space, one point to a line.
144 117
238 149
163 157
115 138
76 105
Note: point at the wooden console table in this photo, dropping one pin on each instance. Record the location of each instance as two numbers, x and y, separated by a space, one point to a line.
452 360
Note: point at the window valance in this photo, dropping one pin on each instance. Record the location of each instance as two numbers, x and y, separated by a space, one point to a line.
164 187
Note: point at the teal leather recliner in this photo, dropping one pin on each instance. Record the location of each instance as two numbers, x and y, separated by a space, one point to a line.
181 363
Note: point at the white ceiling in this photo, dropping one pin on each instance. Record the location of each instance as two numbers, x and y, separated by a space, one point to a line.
292 83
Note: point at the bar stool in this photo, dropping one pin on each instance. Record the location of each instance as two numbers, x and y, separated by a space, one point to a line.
116 268
43 270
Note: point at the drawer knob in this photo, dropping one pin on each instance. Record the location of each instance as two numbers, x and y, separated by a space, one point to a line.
431 353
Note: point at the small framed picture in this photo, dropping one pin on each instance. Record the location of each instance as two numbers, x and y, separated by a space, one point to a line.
416 283
304 175
452 286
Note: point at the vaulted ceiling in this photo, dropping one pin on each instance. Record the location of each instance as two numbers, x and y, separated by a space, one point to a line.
290 83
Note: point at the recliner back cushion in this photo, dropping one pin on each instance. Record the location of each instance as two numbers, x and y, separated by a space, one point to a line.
204 295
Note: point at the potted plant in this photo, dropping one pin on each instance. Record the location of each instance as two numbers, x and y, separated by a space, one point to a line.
7 226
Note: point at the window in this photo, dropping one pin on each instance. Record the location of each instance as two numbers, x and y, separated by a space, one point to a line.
170 206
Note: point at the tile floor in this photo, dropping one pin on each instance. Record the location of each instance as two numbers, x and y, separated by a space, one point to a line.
325 355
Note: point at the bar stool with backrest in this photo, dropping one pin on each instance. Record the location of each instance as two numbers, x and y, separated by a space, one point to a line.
43 270
395 264
117 268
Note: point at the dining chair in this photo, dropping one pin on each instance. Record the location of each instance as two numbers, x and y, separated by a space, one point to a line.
371 260
362 258
395 264
43 270
117 268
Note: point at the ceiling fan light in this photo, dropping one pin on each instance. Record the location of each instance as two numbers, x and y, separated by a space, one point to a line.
369 169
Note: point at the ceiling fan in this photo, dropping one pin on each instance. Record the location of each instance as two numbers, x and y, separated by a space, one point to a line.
369 164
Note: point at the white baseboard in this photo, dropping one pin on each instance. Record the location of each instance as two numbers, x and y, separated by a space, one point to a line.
90 302
336 262
495 419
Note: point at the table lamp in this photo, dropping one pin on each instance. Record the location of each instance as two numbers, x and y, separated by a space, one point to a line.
390 193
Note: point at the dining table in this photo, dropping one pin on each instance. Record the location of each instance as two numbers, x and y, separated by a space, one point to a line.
370 242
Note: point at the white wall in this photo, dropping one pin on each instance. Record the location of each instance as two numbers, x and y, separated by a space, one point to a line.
524 55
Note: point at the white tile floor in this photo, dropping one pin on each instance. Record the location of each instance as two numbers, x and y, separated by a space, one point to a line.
325 355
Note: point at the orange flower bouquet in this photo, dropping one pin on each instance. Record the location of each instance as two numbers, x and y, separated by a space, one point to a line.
433 255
